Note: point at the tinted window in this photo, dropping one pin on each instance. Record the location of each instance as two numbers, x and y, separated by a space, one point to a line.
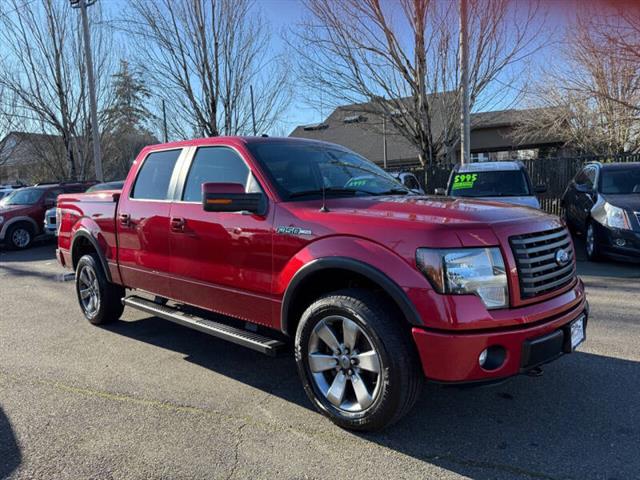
411 182
620 181
52 195
506 183
214 164
24 196
154 176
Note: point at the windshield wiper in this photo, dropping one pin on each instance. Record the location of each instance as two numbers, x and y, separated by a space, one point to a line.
328 190
394 191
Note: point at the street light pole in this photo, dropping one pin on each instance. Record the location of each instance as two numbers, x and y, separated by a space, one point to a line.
465 126
97 153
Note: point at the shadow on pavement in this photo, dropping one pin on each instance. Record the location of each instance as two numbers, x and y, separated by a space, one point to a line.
10 456
580 420
44 249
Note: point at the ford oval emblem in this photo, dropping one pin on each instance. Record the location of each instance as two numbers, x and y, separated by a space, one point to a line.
562 257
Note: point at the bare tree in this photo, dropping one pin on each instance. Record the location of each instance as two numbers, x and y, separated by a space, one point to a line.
403 59
591 98
43 70
201 56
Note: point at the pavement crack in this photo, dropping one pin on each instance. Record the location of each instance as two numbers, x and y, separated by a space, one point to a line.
236 451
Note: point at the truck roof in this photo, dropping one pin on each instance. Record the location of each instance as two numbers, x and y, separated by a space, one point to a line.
489 166
236 139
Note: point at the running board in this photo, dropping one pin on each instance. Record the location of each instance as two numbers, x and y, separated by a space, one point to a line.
255 341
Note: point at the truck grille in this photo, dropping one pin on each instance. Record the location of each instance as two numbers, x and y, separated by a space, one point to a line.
535 255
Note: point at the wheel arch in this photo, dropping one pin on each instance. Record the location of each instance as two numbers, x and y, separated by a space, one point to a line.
84 243
311 280
16 220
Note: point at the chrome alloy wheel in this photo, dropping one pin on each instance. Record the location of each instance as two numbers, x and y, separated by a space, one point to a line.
590 240
344 364
89 290
21 237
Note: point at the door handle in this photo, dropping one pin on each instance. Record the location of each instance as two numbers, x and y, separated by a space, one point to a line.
177 224
125 219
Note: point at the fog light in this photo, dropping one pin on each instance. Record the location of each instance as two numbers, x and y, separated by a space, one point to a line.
621 242
483 357
492 358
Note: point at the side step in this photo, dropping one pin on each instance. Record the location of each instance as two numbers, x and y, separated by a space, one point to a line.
255 341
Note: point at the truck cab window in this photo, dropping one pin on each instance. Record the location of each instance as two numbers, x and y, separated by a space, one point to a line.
155 175
219 165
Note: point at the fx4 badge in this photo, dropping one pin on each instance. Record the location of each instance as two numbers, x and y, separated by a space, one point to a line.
293 231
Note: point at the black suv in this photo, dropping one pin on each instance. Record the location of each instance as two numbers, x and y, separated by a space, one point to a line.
603 203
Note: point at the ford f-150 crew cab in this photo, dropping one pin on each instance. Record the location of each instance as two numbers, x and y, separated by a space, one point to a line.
262 241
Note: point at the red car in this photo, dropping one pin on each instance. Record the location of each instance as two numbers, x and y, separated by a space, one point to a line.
22 211
260 240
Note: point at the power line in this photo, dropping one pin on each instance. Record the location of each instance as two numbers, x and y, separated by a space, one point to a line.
6 14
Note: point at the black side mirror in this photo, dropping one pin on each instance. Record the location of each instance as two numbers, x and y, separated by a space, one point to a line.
231 197
540 189
440 191
584 188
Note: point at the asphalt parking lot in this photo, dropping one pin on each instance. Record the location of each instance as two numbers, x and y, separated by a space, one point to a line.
144 398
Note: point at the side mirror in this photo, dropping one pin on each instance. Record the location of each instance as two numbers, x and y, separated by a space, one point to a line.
440 191
584 188
540 189
231 197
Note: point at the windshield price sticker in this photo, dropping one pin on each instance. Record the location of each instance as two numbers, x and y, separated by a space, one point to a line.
464 180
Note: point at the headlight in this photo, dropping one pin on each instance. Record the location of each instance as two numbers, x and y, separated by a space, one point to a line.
476 271
615 217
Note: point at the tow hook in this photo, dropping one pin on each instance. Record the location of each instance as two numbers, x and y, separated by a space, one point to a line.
535 372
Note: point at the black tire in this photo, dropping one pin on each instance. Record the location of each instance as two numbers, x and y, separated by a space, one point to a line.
400 380
591 248
108 307
20 236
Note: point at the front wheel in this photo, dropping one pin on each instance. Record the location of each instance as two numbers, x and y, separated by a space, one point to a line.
591 243
356 360
100 300
20 236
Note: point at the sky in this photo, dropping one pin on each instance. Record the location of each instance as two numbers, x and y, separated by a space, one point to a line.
284 14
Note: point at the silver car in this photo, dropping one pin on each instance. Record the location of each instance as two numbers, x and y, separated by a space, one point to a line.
506 182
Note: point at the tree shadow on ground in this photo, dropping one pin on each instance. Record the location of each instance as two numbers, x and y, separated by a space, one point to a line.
580 420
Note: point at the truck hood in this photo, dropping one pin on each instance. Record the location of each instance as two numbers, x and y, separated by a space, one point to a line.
630 202
434 209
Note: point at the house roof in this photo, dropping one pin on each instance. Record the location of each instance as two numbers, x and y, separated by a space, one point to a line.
359 127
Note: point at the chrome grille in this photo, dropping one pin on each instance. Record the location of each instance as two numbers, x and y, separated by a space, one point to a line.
535 255
638 217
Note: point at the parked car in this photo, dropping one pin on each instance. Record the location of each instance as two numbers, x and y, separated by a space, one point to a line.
499 181
22 211
409 180
602 202
50 216
376 288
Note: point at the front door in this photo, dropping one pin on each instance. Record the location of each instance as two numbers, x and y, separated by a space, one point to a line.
142 224
221 261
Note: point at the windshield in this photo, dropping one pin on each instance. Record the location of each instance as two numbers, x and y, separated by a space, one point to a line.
300 170
24 196
620 181
506 183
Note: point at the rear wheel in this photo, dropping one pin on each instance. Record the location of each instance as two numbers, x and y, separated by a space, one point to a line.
357 364
99 299
591 243
20 236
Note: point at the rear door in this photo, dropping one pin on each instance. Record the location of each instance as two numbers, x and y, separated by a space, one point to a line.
143 223
221 261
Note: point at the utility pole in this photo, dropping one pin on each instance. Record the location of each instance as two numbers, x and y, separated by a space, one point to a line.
384 141
97 153
164 122
465 126
253 111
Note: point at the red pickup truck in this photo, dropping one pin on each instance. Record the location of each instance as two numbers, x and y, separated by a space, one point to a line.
265 241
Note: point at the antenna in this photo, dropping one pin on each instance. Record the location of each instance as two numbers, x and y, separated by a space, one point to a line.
324 208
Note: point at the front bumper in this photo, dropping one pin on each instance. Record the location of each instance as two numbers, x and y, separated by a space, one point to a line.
452 357
617 242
